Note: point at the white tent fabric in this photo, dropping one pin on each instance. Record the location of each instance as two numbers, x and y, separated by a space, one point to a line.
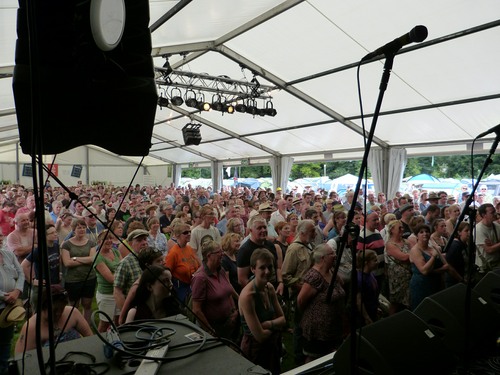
442 92
397 165
377 166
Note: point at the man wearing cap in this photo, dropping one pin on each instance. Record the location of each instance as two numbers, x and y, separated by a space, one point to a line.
280 214
407 212
129 269
100 213
433 198
266 210
297 206
206 228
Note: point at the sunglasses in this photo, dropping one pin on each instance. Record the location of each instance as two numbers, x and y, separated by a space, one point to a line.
186 233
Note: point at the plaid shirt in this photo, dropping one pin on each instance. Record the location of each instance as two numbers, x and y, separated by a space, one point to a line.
127 272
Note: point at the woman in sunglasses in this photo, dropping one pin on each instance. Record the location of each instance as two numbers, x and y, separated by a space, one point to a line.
182 261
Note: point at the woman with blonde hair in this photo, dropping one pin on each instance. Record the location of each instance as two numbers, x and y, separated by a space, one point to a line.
324 338
454 211
235 225
397 260
230 244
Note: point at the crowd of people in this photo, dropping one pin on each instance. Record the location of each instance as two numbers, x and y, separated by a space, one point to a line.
251 264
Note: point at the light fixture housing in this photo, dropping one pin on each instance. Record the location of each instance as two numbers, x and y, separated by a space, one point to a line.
270 111
162 101
190 99
191 134
176 98
229 108
252 107
240 107
203 105
217 103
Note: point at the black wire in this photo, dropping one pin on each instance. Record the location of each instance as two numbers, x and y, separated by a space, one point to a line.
131 353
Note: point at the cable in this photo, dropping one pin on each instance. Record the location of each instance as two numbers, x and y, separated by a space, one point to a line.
130 351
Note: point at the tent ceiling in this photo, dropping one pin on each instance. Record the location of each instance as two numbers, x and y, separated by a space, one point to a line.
442 92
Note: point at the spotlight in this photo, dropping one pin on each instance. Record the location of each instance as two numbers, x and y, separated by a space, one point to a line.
203 105
217 104
241 108
176 99
162 102
229 108
252 107
270 111
261 111
191 100
191 134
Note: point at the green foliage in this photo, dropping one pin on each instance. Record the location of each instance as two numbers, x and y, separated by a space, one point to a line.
457 166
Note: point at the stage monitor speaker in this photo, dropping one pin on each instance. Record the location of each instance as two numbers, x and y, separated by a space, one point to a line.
489 289
444 312
399 344
82 95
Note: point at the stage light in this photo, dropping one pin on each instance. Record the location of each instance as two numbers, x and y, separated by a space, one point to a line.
176 99
162 101
191 99
202 104
252 107
217 104
191 134
241 108
270 111
229 108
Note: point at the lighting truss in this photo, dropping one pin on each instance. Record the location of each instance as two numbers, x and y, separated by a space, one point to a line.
231 90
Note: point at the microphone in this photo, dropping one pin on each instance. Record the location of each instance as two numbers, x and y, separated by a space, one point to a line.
495 129
416 35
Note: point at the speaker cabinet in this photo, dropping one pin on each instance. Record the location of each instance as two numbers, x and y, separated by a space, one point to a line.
399 344
489 289
69 93
445 313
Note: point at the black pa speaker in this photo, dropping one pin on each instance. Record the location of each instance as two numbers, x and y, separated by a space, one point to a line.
489 289
445 313
81 94
399 344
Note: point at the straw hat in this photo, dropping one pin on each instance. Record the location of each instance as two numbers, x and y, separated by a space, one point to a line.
12 314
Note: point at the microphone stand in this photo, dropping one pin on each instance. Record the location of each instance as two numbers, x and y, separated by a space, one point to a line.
352 228
471 212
